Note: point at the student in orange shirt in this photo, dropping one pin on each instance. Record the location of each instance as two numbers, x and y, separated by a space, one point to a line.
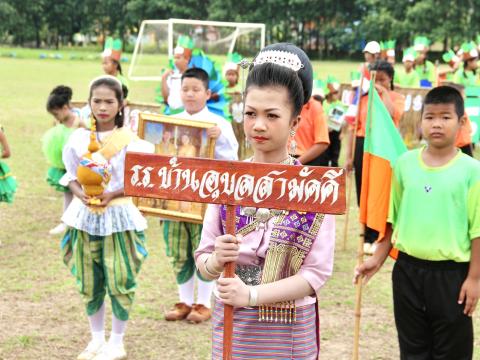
395 104
311 137
464 136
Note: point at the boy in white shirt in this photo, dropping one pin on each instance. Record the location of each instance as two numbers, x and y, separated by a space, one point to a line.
182 238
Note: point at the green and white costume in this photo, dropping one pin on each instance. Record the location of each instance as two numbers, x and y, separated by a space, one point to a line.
104 251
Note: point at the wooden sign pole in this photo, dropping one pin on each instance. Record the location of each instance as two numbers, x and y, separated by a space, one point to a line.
229 272
233 183
361 240
350 178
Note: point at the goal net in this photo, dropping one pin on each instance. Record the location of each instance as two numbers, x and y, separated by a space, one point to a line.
157 39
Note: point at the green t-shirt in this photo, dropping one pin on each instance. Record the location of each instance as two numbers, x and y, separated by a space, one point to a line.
236 89
435 212
405 79
426 71
466 78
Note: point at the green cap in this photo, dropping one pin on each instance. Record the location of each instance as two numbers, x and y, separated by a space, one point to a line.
409 54
184 42
232 62
112 48
450 56
388 45
333 84
469 51
355 75
420 43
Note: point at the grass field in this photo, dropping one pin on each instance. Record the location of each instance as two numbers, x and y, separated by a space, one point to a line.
41 314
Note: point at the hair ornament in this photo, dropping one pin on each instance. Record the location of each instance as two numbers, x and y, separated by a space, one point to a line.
279 57
244 63
110 77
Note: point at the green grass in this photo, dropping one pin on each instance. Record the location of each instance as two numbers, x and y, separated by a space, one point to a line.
148 64
41 314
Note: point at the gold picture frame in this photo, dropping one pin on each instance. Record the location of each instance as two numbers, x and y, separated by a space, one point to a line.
176 137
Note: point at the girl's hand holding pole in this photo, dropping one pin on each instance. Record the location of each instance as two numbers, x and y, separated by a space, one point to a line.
227 248
233 291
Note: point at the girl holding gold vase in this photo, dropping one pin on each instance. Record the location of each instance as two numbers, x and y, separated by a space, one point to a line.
104 245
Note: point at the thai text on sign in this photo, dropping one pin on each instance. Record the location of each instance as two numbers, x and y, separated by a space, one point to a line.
313 189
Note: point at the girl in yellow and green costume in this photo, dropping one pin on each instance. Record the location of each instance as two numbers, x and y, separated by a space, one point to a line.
104 245
8 184
67 119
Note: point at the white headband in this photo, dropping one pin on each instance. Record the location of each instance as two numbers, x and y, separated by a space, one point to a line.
179 50
110 77
279 57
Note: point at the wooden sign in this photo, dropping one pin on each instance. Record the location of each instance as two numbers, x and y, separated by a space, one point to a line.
302 188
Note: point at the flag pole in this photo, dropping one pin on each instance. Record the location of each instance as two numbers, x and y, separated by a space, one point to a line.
229 272
359 285
350 179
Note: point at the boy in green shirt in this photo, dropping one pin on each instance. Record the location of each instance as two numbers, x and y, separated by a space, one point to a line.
435 225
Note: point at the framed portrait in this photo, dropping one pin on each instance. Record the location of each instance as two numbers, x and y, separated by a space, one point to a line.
175 137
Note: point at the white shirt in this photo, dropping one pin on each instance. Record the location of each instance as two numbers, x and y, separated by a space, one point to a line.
174 84
115 218
226 146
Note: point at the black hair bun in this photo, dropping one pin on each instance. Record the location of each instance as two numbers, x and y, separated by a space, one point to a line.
305 73
65 92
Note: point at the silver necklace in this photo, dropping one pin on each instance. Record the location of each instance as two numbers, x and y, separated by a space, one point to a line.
262 215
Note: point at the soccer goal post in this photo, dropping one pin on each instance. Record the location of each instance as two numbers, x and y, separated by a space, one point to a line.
157 39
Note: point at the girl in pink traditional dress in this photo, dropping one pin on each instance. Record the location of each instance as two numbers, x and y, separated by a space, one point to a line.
283 257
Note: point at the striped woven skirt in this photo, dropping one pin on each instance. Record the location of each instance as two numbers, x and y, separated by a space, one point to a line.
261 340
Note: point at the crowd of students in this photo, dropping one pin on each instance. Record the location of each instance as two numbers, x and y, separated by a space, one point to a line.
286 116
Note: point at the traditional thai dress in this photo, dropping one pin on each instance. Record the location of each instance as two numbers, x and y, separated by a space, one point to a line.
8 184
288 243
104 248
